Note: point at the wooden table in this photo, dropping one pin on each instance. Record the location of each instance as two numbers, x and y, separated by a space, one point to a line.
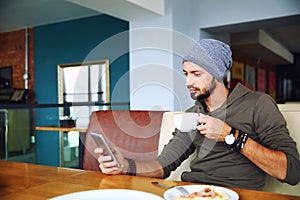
30 181
56 128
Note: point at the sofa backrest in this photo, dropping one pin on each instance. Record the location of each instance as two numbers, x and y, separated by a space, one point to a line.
291 113
167 128
134 133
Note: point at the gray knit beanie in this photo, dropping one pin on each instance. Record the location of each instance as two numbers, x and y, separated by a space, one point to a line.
212 55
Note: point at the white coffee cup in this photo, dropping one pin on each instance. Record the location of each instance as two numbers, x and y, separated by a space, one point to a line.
186 121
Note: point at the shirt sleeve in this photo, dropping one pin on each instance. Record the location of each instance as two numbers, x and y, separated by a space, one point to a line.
273 133
176 151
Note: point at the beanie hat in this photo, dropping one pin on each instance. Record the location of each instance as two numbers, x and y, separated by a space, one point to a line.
212 55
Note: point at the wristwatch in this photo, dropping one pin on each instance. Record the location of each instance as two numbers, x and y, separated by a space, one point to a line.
230 139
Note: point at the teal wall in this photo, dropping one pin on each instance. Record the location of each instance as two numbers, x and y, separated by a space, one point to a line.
68 42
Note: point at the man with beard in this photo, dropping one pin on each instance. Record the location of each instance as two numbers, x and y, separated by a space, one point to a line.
241 135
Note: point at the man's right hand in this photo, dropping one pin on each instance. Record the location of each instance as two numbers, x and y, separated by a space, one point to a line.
108 166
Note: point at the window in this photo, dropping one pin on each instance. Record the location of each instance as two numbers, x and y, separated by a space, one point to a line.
84 85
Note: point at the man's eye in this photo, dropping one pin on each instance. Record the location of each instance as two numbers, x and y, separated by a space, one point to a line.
197 74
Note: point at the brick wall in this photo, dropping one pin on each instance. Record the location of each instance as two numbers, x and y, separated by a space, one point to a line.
12 53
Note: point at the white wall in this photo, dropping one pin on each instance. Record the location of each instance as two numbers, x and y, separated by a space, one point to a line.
156 48
151 64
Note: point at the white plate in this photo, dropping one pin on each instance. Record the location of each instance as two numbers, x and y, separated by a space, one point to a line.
109 194
173 192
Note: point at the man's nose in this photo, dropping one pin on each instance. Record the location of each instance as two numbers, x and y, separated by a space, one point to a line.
188 80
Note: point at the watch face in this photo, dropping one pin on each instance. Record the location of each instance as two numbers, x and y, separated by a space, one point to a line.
229 139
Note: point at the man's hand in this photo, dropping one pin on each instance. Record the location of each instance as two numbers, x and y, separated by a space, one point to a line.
107 165
213 128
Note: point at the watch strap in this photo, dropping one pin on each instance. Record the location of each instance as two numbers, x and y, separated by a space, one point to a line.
239 143
232 131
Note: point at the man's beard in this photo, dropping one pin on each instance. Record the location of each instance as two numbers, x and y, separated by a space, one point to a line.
206 94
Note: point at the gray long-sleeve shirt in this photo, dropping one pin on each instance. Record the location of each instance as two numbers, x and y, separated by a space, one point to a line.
252 112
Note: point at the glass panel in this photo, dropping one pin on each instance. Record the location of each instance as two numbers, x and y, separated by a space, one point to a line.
76 85
16 137
71 149
80 83
95 84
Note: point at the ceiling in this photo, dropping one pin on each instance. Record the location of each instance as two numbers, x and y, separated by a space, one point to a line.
284 31
15 15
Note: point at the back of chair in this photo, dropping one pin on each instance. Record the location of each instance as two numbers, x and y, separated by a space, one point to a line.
291 113
134 133
167 128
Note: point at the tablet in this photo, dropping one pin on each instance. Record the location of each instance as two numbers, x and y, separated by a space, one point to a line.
102 143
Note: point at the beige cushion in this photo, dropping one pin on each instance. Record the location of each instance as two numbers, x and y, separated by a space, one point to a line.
291 113
167 128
